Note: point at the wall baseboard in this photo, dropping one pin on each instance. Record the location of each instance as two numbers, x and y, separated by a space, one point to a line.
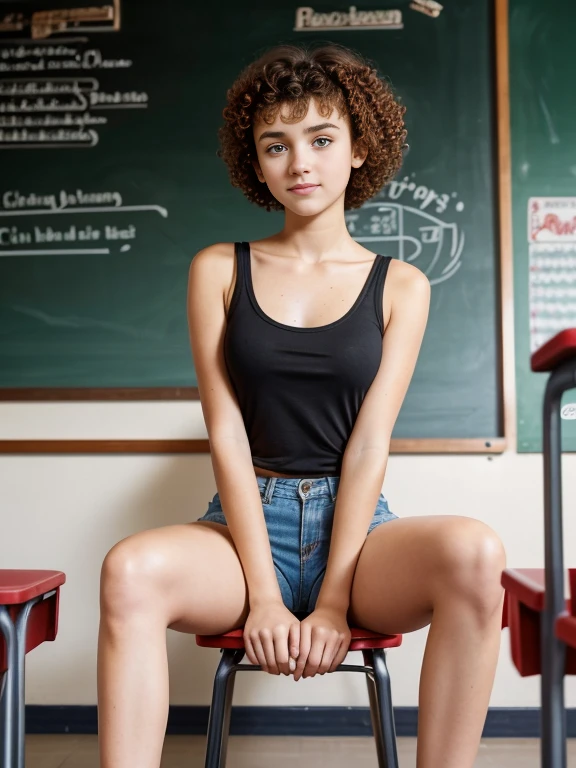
501 722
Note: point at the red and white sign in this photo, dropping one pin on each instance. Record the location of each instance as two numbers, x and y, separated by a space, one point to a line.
552 220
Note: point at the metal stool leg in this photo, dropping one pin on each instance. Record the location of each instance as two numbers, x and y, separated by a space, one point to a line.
385 708
553 651
20 707
220 708
374 708
228 709
3 682
9 696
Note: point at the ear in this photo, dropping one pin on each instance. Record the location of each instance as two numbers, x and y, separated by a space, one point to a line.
258 170
359 155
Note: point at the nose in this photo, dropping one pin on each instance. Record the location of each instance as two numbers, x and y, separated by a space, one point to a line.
299 162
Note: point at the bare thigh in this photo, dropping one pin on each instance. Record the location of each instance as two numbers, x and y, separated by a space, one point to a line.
189 576
408 565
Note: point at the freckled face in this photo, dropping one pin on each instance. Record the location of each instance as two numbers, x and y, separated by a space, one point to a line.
316 150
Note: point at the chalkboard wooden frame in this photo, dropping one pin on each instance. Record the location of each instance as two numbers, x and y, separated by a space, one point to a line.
408 446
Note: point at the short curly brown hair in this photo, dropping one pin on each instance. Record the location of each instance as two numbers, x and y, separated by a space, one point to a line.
335 76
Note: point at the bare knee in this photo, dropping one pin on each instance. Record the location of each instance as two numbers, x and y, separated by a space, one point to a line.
129 581
473 558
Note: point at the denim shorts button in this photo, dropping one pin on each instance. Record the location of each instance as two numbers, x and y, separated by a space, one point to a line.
306 487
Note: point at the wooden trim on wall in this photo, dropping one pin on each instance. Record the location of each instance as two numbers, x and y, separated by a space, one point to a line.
507 353
407 446
97 394
483 445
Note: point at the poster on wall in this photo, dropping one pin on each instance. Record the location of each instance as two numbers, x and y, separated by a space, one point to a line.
552 271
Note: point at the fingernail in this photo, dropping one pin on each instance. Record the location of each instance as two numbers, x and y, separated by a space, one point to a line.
292 664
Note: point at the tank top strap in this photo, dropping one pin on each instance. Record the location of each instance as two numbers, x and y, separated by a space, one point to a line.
378 288
241 254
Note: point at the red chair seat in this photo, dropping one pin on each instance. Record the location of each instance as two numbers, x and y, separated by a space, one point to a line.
566 631
17 587
526 584
555 351
526 598
565 628
361 639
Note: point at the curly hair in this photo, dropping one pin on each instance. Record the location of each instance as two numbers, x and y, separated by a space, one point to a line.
336 77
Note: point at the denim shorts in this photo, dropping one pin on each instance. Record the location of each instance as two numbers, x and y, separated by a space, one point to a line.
299 514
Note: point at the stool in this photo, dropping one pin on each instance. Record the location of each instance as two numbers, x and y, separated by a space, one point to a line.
565 628
371 644
525 599
28 617
536 600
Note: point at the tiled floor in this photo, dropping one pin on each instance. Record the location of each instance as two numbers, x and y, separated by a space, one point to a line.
278 752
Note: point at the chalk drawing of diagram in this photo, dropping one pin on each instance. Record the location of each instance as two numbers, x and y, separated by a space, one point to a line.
412 235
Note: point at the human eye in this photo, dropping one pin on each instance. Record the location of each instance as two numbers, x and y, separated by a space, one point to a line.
271 149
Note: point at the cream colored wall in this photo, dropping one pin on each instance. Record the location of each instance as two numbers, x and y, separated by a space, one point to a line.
65 512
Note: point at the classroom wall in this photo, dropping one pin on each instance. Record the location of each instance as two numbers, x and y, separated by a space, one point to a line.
66 511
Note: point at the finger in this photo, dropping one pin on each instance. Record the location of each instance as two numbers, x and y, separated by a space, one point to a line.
319 638
305 642
294 640
249 647
259 653
268 645
328 656
314 657
281 650
339 656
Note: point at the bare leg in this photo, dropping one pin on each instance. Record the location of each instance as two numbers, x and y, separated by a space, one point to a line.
455 683
153 580
445 571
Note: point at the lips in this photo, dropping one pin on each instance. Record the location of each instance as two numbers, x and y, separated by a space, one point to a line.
304 190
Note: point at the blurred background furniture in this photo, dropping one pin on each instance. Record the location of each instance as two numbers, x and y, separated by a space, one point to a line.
542 622
28 616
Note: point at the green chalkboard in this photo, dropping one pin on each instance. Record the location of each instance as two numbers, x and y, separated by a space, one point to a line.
543 135
101 215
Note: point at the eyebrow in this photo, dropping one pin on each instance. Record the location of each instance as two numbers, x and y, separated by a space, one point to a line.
311 129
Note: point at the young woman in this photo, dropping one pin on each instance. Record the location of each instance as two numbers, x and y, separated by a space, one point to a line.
304 344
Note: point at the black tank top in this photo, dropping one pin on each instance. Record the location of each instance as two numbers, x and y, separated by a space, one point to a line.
300 389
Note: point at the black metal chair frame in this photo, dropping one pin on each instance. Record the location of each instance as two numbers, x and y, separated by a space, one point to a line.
379 693
553 650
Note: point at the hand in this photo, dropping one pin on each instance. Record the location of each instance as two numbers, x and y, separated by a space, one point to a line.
271 636
324 642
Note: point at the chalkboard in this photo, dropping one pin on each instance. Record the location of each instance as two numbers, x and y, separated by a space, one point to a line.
543 133
110 183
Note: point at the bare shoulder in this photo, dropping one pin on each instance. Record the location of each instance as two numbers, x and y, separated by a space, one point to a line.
218 256
407 280
215 265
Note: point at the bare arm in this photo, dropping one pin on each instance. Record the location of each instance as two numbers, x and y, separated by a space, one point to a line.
209 277
366 455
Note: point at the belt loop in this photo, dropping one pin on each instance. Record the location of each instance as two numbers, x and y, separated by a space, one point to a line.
333 486
269 489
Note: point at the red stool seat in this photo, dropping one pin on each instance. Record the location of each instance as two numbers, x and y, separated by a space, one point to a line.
525 601
28 616
565 627
17 587
566 630
360 640
554 352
